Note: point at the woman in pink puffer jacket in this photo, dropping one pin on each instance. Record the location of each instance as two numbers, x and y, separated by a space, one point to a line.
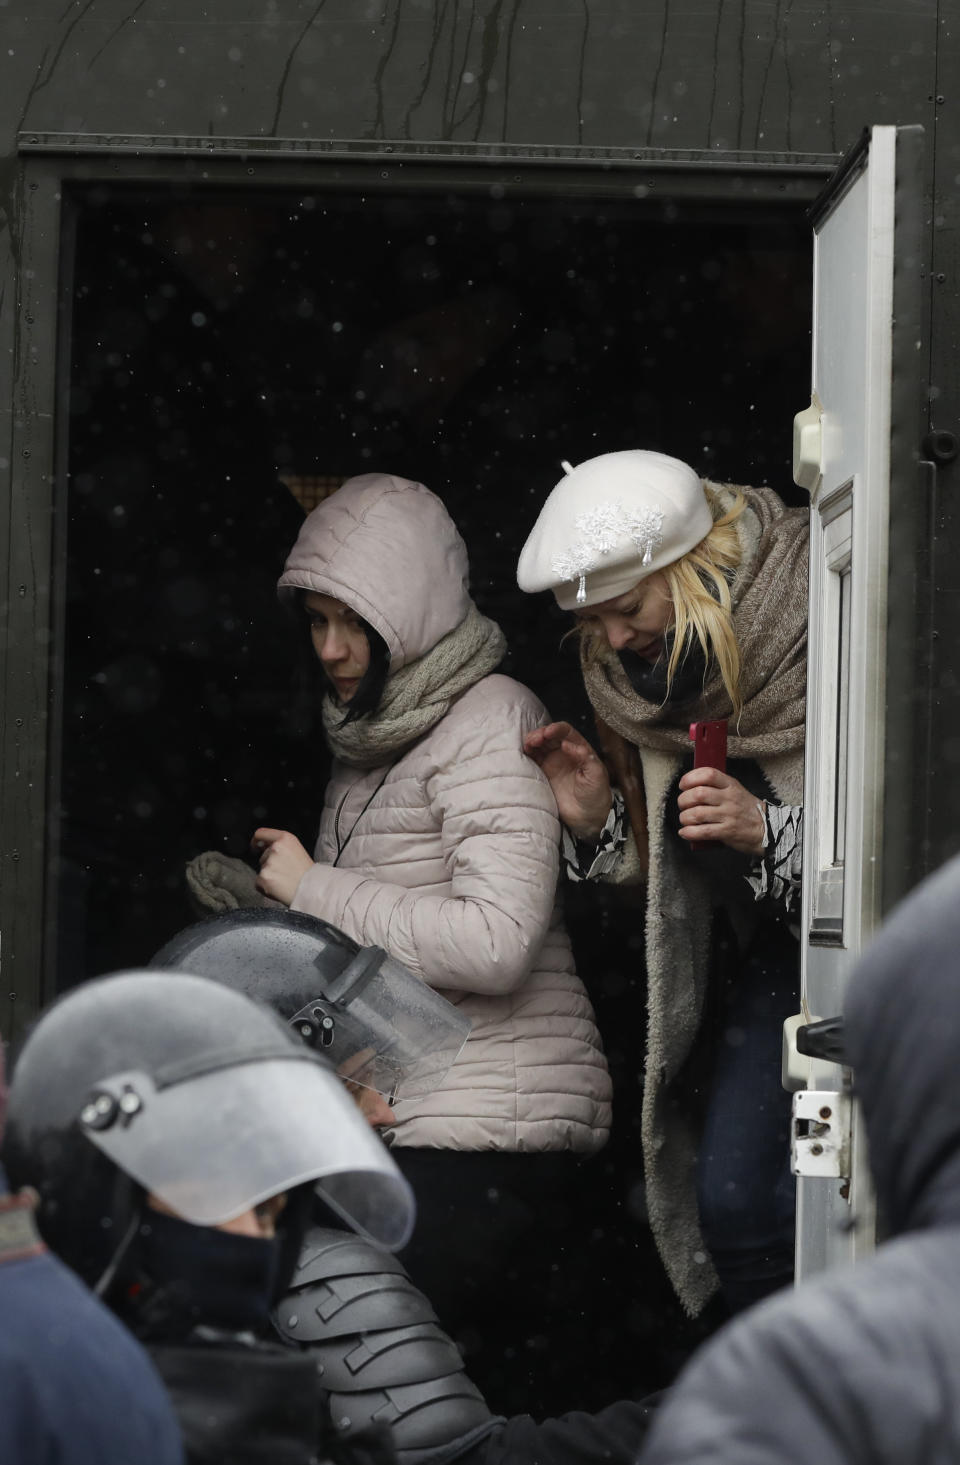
439 841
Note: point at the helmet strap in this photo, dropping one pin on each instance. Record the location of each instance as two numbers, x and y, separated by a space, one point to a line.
109 1273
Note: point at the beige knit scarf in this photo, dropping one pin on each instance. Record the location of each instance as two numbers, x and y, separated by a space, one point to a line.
769 594
417 696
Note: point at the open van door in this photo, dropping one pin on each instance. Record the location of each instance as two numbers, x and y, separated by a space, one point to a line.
855 450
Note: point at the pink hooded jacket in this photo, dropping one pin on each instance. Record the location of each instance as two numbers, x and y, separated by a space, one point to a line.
452 866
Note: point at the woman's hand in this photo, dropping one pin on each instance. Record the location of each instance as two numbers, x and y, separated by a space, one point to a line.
283 863
579 780
715 806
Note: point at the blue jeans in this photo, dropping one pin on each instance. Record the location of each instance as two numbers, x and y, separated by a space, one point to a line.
745 1190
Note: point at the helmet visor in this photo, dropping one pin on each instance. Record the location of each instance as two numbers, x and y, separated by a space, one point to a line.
382 1027
217 1143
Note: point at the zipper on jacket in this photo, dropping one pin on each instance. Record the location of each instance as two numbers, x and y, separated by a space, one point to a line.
336 823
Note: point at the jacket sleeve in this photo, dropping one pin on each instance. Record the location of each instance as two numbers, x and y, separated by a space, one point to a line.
66 1365
611 1437
770 1389
500 839
777 872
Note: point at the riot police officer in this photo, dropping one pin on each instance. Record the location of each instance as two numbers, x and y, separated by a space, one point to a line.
350 1305
178 1136
383 1352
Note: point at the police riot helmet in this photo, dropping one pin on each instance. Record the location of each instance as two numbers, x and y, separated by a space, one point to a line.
377 1023
176 1086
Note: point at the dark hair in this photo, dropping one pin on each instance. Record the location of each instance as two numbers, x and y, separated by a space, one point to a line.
367 696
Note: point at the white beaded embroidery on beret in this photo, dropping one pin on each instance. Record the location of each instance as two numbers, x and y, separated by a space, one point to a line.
600 529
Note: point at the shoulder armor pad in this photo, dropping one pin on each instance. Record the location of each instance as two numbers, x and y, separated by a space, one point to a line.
423 1418
379 1350
327 1253
344 1305
410 1355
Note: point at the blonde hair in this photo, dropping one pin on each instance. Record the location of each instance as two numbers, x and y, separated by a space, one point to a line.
698 585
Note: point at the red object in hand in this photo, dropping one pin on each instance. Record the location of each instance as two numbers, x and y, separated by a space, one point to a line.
709 744
709 751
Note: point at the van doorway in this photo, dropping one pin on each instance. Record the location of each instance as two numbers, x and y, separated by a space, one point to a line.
230 360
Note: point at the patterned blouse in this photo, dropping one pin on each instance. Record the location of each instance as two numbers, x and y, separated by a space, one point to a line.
775 873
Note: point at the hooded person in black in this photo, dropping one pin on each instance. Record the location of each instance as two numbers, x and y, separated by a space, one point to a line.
862 1366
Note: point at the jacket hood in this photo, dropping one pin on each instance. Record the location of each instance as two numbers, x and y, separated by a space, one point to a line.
902 1035
387 548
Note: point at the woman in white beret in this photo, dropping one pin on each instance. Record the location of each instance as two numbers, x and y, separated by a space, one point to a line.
691 601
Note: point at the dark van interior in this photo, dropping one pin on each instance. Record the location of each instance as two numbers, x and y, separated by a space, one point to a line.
229 360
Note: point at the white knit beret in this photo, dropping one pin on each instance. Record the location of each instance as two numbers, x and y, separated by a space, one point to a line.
609 523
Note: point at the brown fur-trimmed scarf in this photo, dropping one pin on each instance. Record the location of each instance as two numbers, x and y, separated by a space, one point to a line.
645 745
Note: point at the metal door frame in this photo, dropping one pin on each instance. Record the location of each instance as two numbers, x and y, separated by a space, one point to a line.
883 800
55 166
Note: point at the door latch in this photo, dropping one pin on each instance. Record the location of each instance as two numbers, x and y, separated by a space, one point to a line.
808 445
820 1133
